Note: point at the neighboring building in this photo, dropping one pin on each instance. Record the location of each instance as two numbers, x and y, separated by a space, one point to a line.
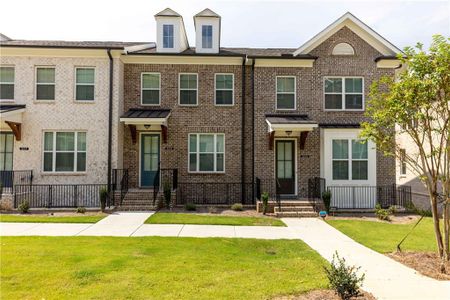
219 116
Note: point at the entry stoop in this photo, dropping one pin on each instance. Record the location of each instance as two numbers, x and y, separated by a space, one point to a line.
300 208
138 200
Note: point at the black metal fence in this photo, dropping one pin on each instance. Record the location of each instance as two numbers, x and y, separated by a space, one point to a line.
316 187
366 197
58 195
8 179
119 183
226 193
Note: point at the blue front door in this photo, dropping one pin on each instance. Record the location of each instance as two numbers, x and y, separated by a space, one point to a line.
149 160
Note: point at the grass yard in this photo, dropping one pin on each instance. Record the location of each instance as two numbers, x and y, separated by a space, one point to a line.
156 268
384 237
51 219
180 218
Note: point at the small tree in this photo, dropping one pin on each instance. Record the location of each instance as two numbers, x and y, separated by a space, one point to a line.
416 106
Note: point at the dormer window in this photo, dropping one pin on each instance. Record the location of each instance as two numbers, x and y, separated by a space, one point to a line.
207 36
167 36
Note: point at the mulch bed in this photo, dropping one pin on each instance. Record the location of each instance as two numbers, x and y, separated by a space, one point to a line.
217 211
395 219
322 295
426 263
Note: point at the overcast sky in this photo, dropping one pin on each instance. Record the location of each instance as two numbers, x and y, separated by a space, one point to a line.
244 23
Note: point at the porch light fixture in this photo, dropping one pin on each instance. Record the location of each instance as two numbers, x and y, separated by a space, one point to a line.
288 132
147 126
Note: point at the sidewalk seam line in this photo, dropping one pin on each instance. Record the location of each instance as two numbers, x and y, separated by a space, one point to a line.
181 229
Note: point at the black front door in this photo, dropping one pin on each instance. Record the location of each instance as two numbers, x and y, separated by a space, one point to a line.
285 167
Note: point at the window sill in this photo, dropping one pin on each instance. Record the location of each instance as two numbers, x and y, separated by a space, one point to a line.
7 100
224 105
206 173
84 101
344 110
35 101
285 109
188 105
63 173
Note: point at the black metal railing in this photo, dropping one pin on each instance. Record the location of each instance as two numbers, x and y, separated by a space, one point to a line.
216 193
164 177
366 197
8 179
316 187
58 195
267 185
119 183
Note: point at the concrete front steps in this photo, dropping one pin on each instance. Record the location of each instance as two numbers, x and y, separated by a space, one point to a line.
300 208
137 200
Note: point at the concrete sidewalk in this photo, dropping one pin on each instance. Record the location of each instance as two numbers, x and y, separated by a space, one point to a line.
385 278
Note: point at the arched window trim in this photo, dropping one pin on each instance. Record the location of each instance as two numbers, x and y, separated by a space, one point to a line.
345 49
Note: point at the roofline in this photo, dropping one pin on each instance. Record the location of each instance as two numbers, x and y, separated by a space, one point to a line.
337 125
62 47
282 57
188 54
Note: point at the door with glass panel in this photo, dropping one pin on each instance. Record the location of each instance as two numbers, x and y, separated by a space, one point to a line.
6 158
285 167
149 160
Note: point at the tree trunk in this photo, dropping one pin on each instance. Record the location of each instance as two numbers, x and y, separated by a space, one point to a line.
437 229
447 229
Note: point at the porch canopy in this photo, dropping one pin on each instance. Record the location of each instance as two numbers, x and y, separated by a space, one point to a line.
291 125
148 118
11 116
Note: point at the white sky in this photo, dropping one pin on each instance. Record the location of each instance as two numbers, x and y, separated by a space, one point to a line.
244 23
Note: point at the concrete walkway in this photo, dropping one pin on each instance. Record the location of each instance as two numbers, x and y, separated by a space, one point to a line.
132 224
385 278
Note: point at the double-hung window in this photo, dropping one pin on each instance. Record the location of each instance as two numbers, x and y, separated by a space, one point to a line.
167 36
286 92
207 36
6 83
344 93
207 153
402 162
188 86
224 86
150 88
349 159
64 151
85 84
45 83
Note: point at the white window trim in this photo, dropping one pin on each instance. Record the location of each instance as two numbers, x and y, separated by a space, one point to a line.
45 83
216 89
212 36
343 93
286 93
187 89
150 89
349 159
90 84
53 151
173 36
14 84
198 153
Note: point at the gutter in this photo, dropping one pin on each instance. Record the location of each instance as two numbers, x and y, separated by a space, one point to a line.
243 132
253 129
110 115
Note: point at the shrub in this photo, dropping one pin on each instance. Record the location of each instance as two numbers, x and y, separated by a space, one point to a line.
167 194
6 204
190 207
103 197
24 207
81 209
237 207
326 197
343 279
382 214
265 201
212 210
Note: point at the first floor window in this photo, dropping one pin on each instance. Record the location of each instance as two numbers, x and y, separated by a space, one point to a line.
206 152
224 89
64 151
150 88
285 92
6 83
84 84
45 83
188 89
349 159
6 151
402 162
344 93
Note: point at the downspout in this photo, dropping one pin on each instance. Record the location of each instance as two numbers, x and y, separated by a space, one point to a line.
253 129
243 133
110 115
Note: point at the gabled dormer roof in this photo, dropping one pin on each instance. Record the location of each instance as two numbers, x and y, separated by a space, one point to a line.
168 13
207 13
358 27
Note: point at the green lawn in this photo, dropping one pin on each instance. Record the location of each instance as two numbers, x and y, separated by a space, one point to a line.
51 219
384 237
156 268
180 218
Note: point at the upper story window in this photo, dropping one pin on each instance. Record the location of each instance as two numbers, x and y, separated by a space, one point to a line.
286 92
167 36
344 93
45 83
343 49
150 89
6 83
207 153
207 36
224 86
188 86
349 159
402 162
64 151
85 84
